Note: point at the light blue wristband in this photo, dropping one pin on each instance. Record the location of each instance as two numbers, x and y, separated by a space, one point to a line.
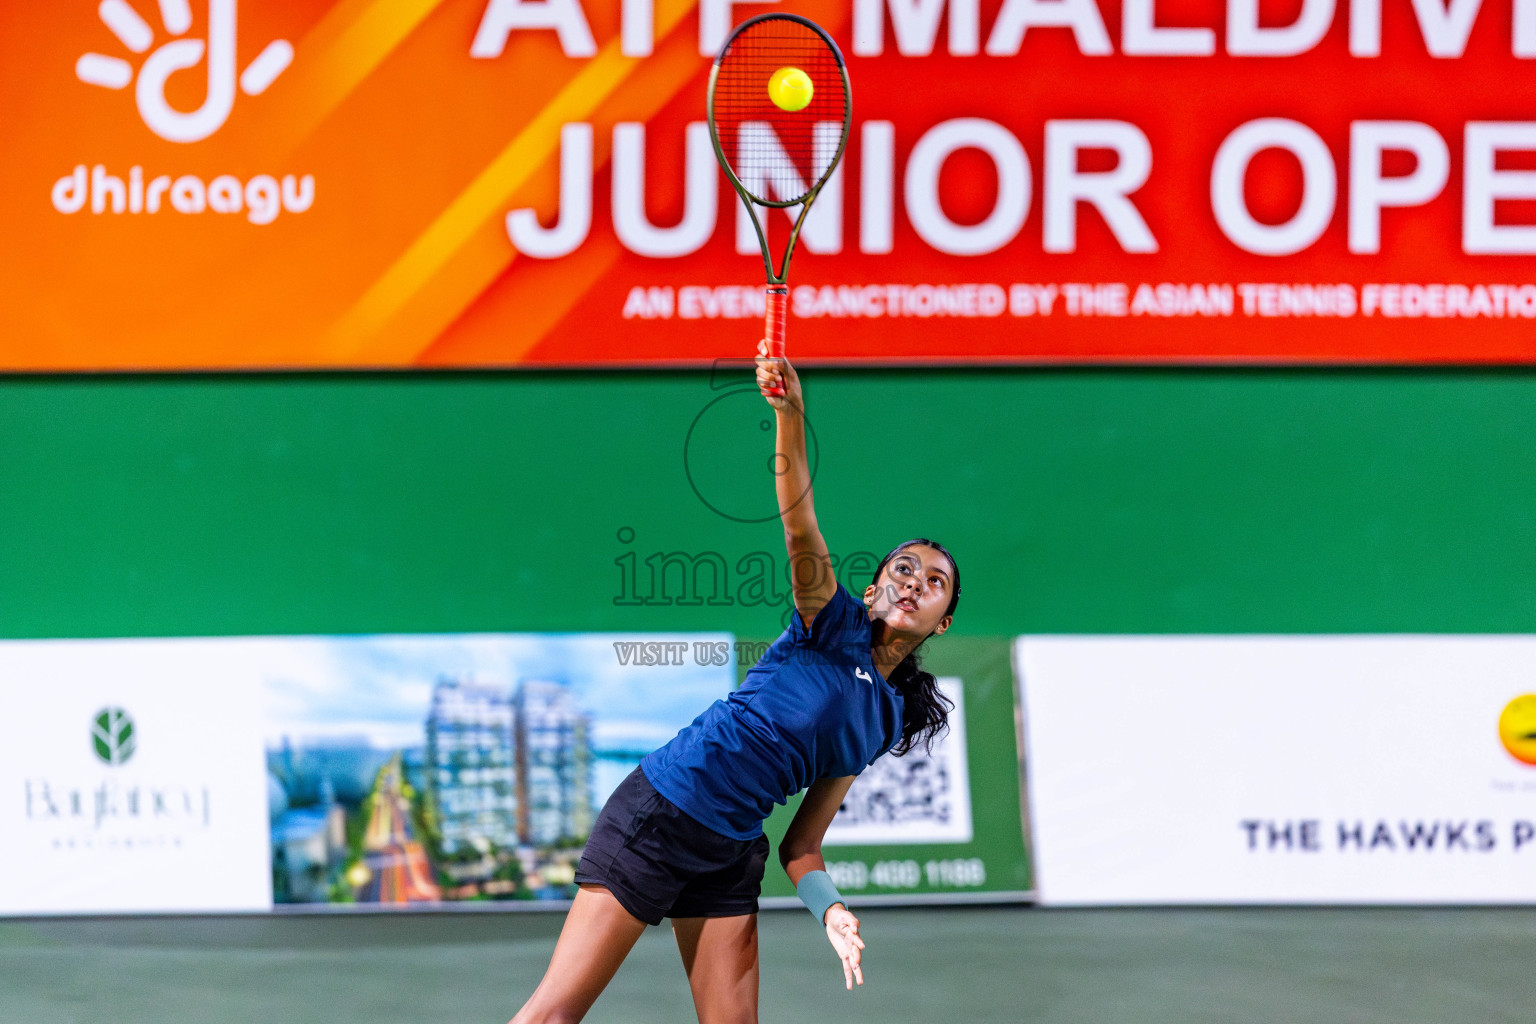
817 892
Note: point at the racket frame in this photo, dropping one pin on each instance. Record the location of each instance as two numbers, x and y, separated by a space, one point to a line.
804 202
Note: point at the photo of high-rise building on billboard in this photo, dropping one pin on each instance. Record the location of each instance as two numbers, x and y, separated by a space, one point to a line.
416 769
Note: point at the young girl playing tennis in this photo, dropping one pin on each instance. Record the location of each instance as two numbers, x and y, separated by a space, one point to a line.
682 837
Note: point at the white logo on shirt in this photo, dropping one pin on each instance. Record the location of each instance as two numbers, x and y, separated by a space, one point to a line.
859 673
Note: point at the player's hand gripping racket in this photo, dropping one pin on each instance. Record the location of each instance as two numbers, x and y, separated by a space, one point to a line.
778 134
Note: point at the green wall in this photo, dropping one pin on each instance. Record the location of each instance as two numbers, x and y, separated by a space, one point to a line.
1076 501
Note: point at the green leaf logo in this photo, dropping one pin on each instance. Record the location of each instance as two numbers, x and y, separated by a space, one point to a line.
113 736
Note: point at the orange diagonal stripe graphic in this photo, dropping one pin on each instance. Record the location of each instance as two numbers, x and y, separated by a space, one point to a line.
347 45
364 334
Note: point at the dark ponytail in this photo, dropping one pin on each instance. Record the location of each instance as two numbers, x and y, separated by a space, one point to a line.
925 713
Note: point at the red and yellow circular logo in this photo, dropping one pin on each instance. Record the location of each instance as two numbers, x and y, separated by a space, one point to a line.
1517 729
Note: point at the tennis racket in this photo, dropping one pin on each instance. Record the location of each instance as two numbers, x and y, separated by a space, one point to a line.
777 158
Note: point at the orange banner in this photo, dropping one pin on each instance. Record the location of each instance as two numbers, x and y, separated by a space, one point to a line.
205 184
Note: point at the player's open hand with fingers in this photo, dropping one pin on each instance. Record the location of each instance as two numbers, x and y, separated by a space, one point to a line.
843 933
776 375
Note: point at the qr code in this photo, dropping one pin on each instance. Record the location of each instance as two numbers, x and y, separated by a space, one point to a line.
913 788
919 797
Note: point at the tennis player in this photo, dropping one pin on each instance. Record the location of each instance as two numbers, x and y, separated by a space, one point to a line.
682 836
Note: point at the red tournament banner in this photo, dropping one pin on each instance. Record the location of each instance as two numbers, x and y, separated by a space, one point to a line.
208 184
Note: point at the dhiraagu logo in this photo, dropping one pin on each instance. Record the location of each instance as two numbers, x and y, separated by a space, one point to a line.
112 736
260 197
116 806
136 35
1517 729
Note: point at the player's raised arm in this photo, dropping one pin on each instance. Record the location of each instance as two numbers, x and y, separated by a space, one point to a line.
810 565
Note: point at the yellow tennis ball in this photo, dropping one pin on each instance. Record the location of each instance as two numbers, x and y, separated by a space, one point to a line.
790 89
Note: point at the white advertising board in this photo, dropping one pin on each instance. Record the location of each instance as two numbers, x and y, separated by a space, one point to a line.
131 779
1339 769
228 774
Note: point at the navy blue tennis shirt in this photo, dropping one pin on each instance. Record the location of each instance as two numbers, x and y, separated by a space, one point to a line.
813 707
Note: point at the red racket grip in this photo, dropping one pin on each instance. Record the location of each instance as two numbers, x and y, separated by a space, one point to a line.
773 330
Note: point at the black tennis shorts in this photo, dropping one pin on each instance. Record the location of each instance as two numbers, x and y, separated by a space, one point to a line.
658 862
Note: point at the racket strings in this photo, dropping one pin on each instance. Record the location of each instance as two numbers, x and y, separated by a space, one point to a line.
779 155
